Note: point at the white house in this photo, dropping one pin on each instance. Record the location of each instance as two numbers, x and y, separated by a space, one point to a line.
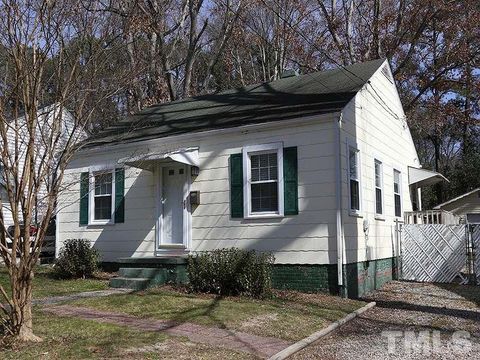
465 206
313 168
52 119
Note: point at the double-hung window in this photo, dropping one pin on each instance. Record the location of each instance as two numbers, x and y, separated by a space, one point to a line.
397 192
103 184
264 184
354 179
3 184
378 188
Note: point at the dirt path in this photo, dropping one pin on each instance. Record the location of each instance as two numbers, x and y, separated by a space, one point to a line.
410 321
263 347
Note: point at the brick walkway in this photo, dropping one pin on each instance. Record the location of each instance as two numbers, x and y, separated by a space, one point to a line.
82 295
235 340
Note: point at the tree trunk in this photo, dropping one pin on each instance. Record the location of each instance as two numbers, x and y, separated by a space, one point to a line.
22 310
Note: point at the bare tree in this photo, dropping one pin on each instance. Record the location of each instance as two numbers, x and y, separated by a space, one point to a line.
53 54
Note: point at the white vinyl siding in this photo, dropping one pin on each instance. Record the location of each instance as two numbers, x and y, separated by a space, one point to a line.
303 238
378 134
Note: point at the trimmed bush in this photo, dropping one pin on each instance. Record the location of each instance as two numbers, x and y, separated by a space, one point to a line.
231 272
77 259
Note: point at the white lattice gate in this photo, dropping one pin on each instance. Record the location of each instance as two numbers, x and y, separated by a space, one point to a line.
475 249
436 253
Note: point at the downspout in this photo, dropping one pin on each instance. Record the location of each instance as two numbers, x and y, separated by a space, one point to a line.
338 193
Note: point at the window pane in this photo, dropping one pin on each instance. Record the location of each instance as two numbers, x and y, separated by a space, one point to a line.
255 161
103 184
264 174
378 174
264 167
272 159
103 208
265 197
396 181
398 205
263 160
3 193
354 195
378 201
353 163
255 174
273 173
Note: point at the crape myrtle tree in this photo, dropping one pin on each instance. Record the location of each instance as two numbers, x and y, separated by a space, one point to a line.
54 55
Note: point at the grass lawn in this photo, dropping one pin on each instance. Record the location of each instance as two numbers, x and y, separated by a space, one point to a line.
44 284
289 315
69 338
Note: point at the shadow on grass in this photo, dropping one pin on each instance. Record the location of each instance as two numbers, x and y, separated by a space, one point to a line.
327 308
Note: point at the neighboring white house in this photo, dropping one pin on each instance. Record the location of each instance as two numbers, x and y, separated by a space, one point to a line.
466 207
313 168
45 123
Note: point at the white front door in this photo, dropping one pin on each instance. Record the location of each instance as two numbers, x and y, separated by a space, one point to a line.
173 182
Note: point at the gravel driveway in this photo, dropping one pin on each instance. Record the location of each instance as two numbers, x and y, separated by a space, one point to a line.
410 321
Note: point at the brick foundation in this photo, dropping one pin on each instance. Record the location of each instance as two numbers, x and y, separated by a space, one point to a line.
359 278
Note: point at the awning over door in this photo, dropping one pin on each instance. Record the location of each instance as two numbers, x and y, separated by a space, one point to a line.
148 160
421 177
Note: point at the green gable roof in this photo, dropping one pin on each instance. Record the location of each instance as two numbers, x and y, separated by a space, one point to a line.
288 98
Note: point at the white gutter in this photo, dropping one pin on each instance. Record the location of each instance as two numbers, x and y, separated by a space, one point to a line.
338 193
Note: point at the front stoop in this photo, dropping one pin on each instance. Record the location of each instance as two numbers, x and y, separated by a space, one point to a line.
139 274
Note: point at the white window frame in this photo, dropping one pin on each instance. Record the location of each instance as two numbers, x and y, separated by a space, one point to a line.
354 212
399 193
381 187
247 176
91 200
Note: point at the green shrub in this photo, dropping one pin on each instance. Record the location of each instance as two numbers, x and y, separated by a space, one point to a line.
231 272
77 259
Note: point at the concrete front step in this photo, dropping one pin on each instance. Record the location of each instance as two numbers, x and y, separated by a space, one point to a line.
159 274
132 283
140 273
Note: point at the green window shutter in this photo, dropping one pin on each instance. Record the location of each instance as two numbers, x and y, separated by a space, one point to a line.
290 180
84 188
236 186
119 195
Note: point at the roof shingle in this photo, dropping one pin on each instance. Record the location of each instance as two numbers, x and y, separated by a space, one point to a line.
292 97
